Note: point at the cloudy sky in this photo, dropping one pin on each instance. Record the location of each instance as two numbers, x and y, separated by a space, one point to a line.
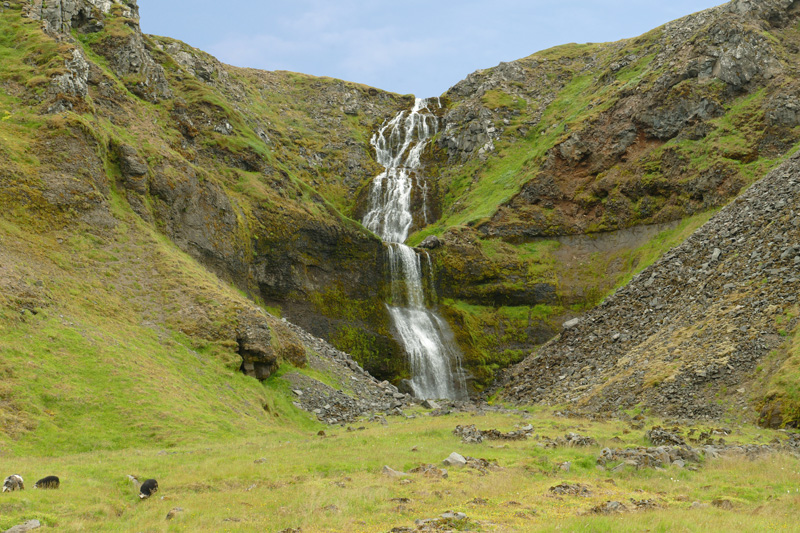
408 46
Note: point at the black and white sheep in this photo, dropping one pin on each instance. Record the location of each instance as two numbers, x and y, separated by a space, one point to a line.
12 483
148 488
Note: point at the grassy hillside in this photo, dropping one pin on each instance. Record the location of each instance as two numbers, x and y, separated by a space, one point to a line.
247 172
115 339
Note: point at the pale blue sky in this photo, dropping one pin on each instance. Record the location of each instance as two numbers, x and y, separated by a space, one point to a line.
406 46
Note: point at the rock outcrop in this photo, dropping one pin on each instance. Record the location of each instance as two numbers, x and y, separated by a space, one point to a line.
122 44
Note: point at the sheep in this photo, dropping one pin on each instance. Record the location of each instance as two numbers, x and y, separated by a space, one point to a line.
13 482
148 488
49 482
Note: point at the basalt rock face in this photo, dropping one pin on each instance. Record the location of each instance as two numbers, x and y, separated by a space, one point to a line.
123 44
689 328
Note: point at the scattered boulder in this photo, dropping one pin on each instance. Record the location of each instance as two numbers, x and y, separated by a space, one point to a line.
449 521
379 419
430 404
389 471
483 466
471 434
570 489
610 507
661 437
648 457
431 471
27 526
570 440
431 242
722 504
455 459
645 505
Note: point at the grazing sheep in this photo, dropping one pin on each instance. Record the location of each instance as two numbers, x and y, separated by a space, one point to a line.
13 482
49 482
148 488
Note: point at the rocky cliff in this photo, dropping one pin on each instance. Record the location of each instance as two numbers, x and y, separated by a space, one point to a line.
697 333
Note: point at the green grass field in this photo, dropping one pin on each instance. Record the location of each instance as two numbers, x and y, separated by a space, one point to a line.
288 478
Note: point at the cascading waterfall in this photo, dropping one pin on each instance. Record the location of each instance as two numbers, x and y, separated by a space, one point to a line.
434 357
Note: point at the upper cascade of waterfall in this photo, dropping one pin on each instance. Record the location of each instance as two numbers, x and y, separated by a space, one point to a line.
398 146
399 142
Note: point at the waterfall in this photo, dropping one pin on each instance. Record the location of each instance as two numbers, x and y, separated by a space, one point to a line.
427 339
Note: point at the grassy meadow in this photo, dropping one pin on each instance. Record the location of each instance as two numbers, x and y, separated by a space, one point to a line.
285 477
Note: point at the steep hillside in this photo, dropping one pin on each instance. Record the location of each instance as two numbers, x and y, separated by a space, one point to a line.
594 138
230 164
149 197
709 330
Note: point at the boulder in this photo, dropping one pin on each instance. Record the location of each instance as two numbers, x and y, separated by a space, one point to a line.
27 526
455 459
430 404
431 242
389 471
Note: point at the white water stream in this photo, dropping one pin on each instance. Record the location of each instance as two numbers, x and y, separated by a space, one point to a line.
433 355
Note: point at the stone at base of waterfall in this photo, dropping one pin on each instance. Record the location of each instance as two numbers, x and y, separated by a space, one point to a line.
27 526
391 472
430 404
455 459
